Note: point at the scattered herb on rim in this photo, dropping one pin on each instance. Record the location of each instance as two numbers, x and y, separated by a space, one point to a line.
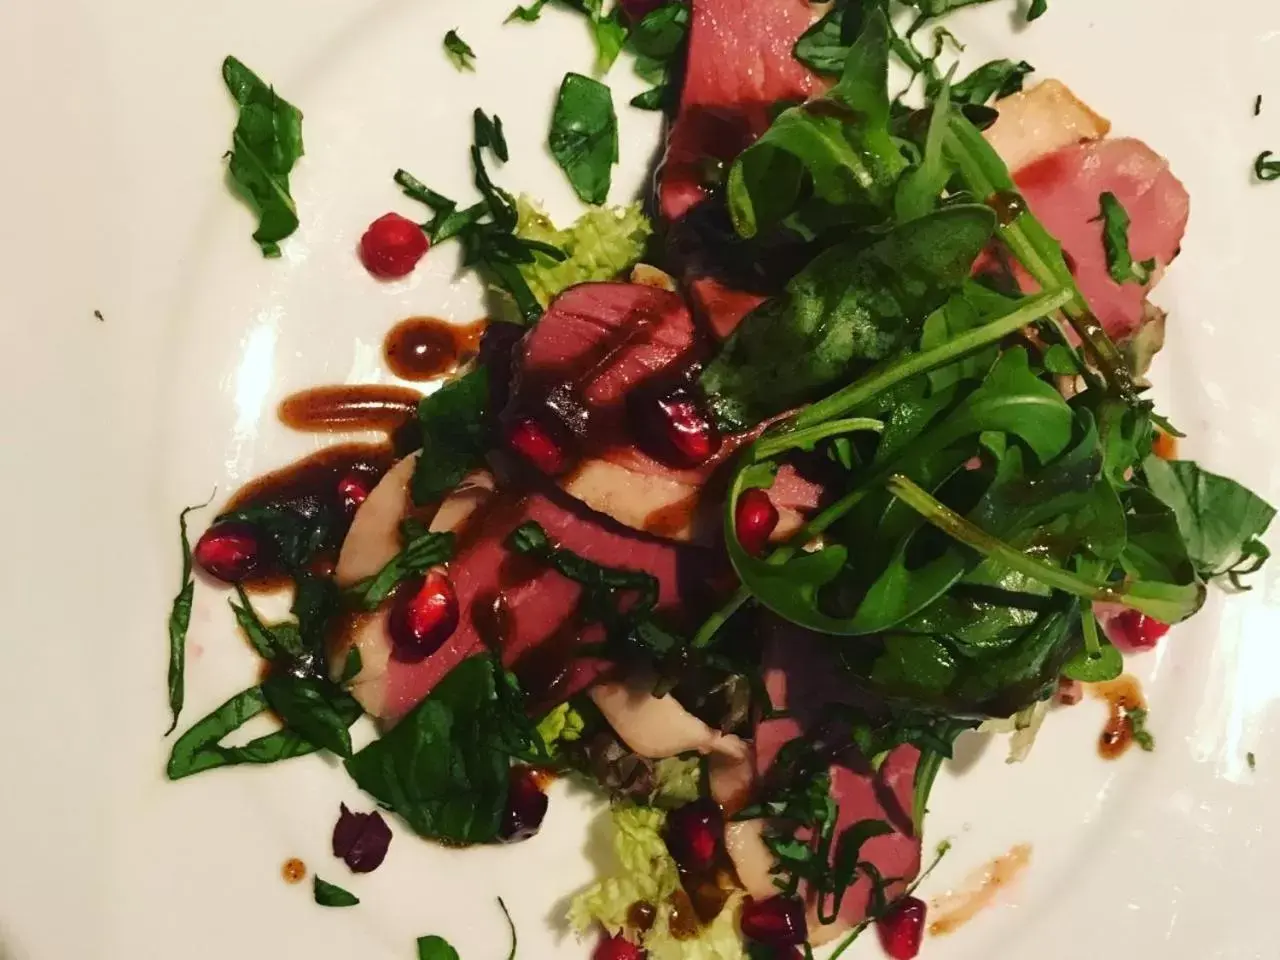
180 622
331 895
1266 169
459 51
584 136
435 948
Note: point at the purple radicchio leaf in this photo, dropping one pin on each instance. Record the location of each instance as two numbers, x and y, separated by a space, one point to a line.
361 840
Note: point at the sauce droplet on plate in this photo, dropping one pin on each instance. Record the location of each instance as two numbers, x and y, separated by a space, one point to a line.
293 871
1123 696
423 348
979 890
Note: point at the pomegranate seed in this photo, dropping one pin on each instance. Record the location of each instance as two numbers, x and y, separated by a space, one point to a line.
392 246
526 806
353 490
694 835
901 930
675 427
617 948
776 922
535 444
1133 630
754 520
424 615
231 552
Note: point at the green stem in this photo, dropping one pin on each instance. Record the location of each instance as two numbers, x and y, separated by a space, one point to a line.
768 447
858 393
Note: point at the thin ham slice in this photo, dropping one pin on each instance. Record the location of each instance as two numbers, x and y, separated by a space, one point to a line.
527 610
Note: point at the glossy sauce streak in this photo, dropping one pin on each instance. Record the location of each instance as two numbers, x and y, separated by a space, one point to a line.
423 348
979 890
1008 206
1121 695
346 409
682 921
641 916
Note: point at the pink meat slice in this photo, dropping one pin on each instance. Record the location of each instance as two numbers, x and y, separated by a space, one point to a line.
1064 191
721 307
537 629
739 65
803 677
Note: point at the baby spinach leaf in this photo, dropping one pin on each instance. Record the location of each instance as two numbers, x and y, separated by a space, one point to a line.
444 767
459 51
331 895
1115 241
313 708
995 79
435 948
584 136
266 144
456 433
830 160
422 551
850 306
1221 520
179 622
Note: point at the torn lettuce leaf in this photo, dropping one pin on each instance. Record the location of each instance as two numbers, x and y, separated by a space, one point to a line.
603 243
676 781
644 871
562 725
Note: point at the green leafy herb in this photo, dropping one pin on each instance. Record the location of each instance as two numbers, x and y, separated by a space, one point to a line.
270 643
443 768
994 80
266 144
456 432
311 708
656 41
179 621
1251 760
1220 520
422 551
1037 9
1266 169
1106 664
435 948
459 52
297 533
1115 240
850 306
529 14
584 136
330 895
200 749
511 927
824 47
1137 718
351 667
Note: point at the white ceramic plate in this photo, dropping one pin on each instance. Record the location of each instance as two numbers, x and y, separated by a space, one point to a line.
115 123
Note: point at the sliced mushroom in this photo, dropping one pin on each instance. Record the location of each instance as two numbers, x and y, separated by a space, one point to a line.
657 727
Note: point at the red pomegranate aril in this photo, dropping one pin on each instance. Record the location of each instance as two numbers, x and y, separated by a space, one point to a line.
694 835
1133 630
353 490
424 614
535 444
617 948
901 930
392 246
685 429
526 806
776 922
231 552
754 520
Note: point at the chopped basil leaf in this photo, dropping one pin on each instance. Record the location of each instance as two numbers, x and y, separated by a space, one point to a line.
311 707
1037 9
1115 240
266 144
179 621
330 895
351 667
456 433
422 551
1137 718
459 51
529 14
657 41
1266 169
584 136
435 948
994 80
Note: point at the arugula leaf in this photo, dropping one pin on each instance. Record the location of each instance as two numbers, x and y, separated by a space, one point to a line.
1115 240
996 79
830 160
459 52
1220 520
444 767
850 306
435 948
200 749
920 188
179 621
422 551
456 433
265 145
584 136
1266 169
330 895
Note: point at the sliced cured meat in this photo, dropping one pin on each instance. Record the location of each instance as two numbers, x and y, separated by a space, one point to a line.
803 678
720 307
739 65
1041 120
528 611
1063 190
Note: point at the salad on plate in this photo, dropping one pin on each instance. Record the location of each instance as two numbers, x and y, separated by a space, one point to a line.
751 496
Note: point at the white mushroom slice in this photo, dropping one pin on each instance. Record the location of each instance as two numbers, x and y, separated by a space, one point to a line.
658 727
752 860
1038 121
374 537
731 778
652 503
648 276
